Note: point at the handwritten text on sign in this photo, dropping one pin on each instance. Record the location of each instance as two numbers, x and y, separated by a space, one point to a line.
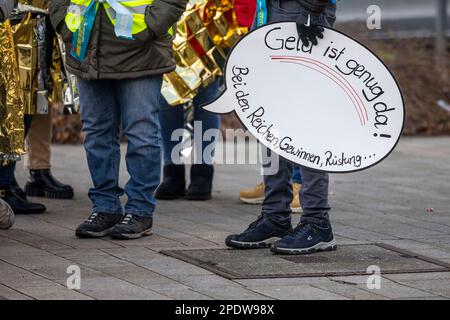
333 107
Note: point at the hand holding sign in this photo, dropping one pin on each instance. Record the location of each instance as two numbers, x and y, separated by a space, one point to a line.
334 107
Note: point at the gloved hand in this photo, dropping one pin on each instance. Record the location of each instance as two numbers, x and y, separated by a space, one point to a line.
308 32
6 7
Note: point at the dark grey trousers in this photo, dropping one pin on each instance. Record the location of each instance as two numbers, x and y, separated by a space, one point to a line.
278 193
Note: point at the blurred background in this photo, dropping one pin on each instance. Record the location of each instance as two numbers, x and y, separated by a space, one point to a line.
413 42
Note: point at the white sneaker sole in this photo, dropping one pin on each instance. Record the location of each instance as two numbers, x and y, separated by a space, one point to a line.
91 234
321 246
253 245
131 236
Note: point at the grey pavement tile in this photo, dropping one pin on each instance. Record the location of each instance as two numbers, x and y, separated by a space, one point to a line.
15 277
233 293
6 293
396 291
419 276
300 292
425 298
439 287
10 247
253 283
54 292
421 248
36 241
109 288
157 262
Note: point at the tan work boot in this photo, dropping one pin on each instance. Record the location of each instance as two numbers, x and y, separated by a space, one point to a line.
295 204
254 195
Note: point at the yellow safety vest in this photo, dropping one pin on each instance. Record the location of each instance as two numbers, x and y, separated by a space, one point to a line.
77 8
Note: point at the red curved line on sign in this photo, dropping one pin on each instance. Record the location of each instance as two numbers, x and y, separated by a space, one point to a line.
345 80
354 92
350 90
339 84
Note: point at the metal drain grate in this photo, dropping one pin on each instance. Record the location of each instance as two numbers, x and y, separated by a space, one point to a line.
345 261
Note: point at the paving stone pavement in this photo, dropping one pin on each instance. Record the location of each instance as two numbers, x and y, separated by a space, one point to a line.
404 202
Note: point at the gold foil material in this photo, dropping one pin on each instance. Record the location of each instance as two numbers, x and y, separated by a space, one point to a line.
27 60
18 76
11 103
205 34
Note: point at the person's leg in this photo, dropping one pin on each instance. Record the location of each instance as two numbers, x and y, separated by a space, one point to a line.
173 185
314 232
275 220
17 201
100 116
202 171
139 106
207 119
314 197
7 174
38 143
171 119
41 182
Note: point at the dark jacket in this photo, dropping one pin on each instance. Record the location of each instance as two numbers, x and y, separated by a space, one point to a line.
315 7
6 7
110 57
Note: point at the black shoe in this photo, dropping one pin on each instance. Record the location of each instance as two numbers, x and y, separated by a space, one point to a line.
306 238
20 205
98 225
15 188
132 227
201 182
42 184
173 185
260 234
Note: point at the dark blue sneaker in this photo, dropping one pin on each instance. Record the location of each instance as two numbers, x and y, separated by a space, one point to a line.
306 238
260 234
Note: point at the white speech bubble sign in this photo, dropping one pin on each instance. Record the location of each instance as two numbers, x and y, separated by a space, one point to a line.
333 107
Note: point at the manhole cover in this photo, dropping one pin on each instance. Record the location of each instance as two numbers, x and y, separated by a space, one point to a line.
346 260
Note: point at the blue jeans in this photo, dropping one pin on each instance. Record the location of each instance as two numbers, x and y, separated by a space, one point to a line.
7 172
134 104
278 192
172 118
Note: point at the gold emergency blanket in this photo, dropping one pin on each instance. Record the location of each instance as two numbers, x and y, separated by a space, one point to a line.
205 34
34 83
11 103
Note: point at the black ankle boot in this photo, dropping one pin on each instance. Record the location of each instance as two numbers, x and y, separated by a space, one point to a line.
42 184
20 205
173 185
201 182
15 188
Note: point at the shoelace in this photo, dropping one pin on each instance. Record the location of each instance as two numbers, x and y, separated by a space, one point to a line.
127 219
255 223
92 217
301 229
